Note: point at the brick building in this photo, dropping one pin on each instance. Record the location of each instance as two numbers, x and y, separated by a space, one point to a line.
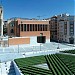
18 27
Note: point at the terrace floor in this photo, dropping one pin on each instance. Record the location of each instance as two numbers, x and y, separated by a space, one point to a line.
18 51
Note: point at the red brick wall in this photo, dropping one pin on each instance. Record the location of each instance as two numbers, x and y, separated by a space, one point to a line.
16 41
36 33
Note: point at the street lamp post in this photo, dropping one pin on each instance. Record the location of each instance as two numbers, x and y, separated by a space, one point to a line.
18 48
1 67
58 45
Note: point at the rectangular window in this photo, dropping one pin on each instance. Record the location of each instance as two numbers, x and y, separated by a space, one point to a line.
21 27
71 30
27 27
45 28
71 33
33 27
36 27
12 31
71 26
40 27
24 27
71 22
30 27
12 24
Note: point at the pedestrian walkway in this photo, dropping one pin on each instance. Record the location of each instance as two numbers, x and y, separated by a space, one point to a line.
11 70
4 68
10 53
7 68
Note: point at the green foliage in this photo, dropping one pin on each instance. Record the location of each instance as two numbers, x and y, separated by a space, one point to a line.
69 51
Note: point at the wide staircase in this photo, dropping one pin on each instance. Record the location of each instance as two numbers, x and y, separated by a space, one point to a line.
12 70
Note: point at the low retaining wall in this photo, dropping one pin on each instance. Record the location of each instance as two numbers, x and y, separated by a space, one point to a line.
19 40
18 72
24 40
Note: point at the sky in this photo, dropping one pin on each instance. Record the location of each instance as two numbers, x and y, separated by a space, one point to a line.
34 8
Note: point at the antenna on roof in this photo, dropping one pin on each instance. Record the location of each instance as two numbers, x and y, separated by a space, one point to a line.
39 17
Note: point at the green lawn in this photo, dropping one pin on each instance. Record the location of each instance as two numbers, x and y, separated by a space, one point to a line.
26 65
59 64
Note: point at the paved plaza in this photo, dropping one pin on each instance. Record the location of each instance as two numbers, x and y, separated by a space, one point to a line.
7 54
16 51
